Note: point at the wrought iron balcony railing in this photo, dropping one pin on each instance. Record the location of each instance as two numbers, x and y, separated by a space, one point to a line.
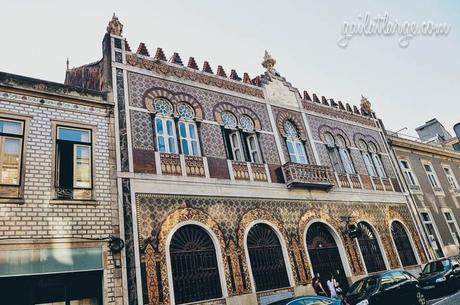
308 176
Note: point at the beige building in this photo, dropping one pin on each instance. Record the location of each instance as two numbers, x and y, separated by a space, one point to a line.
58 195
432 172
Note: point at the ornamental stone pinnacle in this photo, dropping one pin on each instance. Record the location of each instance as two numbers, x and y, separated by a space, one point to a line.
269 63
115 27
365 104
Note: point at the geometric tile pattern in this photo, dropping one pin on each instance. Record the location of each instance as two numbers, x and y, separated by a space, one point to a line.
142 130
229 216
212 142
138 85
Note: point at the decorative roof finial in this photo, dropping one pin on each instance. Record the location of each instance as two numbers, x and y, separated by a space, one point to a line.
115 27
365 104
67 63
269 63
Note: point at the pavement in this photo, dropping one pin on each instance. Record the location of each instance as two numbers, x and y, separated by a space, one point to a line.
453 299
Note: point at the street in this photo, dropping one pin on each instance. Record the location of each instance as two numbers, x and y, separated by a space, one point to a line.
452 299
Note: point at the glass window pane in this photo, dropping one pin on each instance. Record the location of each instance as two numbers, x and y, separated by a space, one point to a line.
238 155
82 167
11 161
255 157
252 143
11 127
195 148
159 126
182 132
75 135
172 147
290 147
234 140
169 128
299 148
192 131
185 150
161 144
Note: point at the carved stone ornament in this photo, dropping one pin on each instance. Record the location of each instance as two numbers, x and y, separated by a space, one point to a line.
269 63
365 104
115 27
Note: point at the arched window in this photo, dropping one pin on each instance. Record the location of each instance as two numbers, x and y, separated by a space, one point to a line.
195 272
294 145
252 142
188 130
403 244
339 153
370 249
367 158
165 130
345 155
267 259
241 139
232 136
377 160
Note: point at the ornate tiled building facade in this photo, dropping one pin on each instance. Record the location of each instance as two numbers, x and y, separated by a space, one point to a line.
229 181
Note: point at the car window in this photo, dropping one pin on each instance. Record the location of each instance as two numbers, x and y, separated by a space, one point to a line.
409 276
386 280
398 277
437 266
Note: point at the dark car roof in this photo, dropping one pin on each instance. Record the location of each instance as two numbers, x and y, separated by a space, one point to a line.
285 301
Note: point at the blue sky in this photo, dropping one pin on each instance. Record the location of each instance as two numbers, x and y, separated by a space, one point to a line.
405 86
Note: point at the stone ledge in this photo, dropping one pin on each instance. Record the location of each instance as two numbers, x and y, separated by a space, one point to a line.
72 201
12 200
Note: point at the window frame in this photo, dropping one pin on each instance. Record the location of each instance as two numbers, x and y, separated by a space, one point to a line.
432 177
21 137
256 150
188 138
164 121
453 182
54 134
435 231
452 221
296 153
234 148
408 172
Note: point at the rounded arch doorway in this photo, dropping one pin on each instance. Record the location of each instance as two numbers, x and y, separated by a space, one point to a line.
324 254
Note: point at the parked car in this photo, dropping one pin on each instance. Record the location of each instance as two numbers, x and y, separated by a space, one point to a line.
390 287
440 277
308 300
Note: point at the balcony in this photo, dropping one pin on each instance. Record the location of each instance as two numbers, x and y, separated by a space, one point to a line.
308 176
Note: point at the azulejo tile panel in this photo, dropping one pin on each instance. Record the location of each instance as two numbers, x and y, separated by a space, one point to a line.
142 130
229 217
140 84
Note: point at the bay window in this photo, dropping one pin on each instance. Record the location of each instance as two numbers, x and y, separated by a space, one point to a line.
11 137
73 163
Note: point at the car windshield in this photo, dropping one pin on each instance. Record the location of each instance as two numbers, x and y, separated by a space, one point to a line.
365 285
437 266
